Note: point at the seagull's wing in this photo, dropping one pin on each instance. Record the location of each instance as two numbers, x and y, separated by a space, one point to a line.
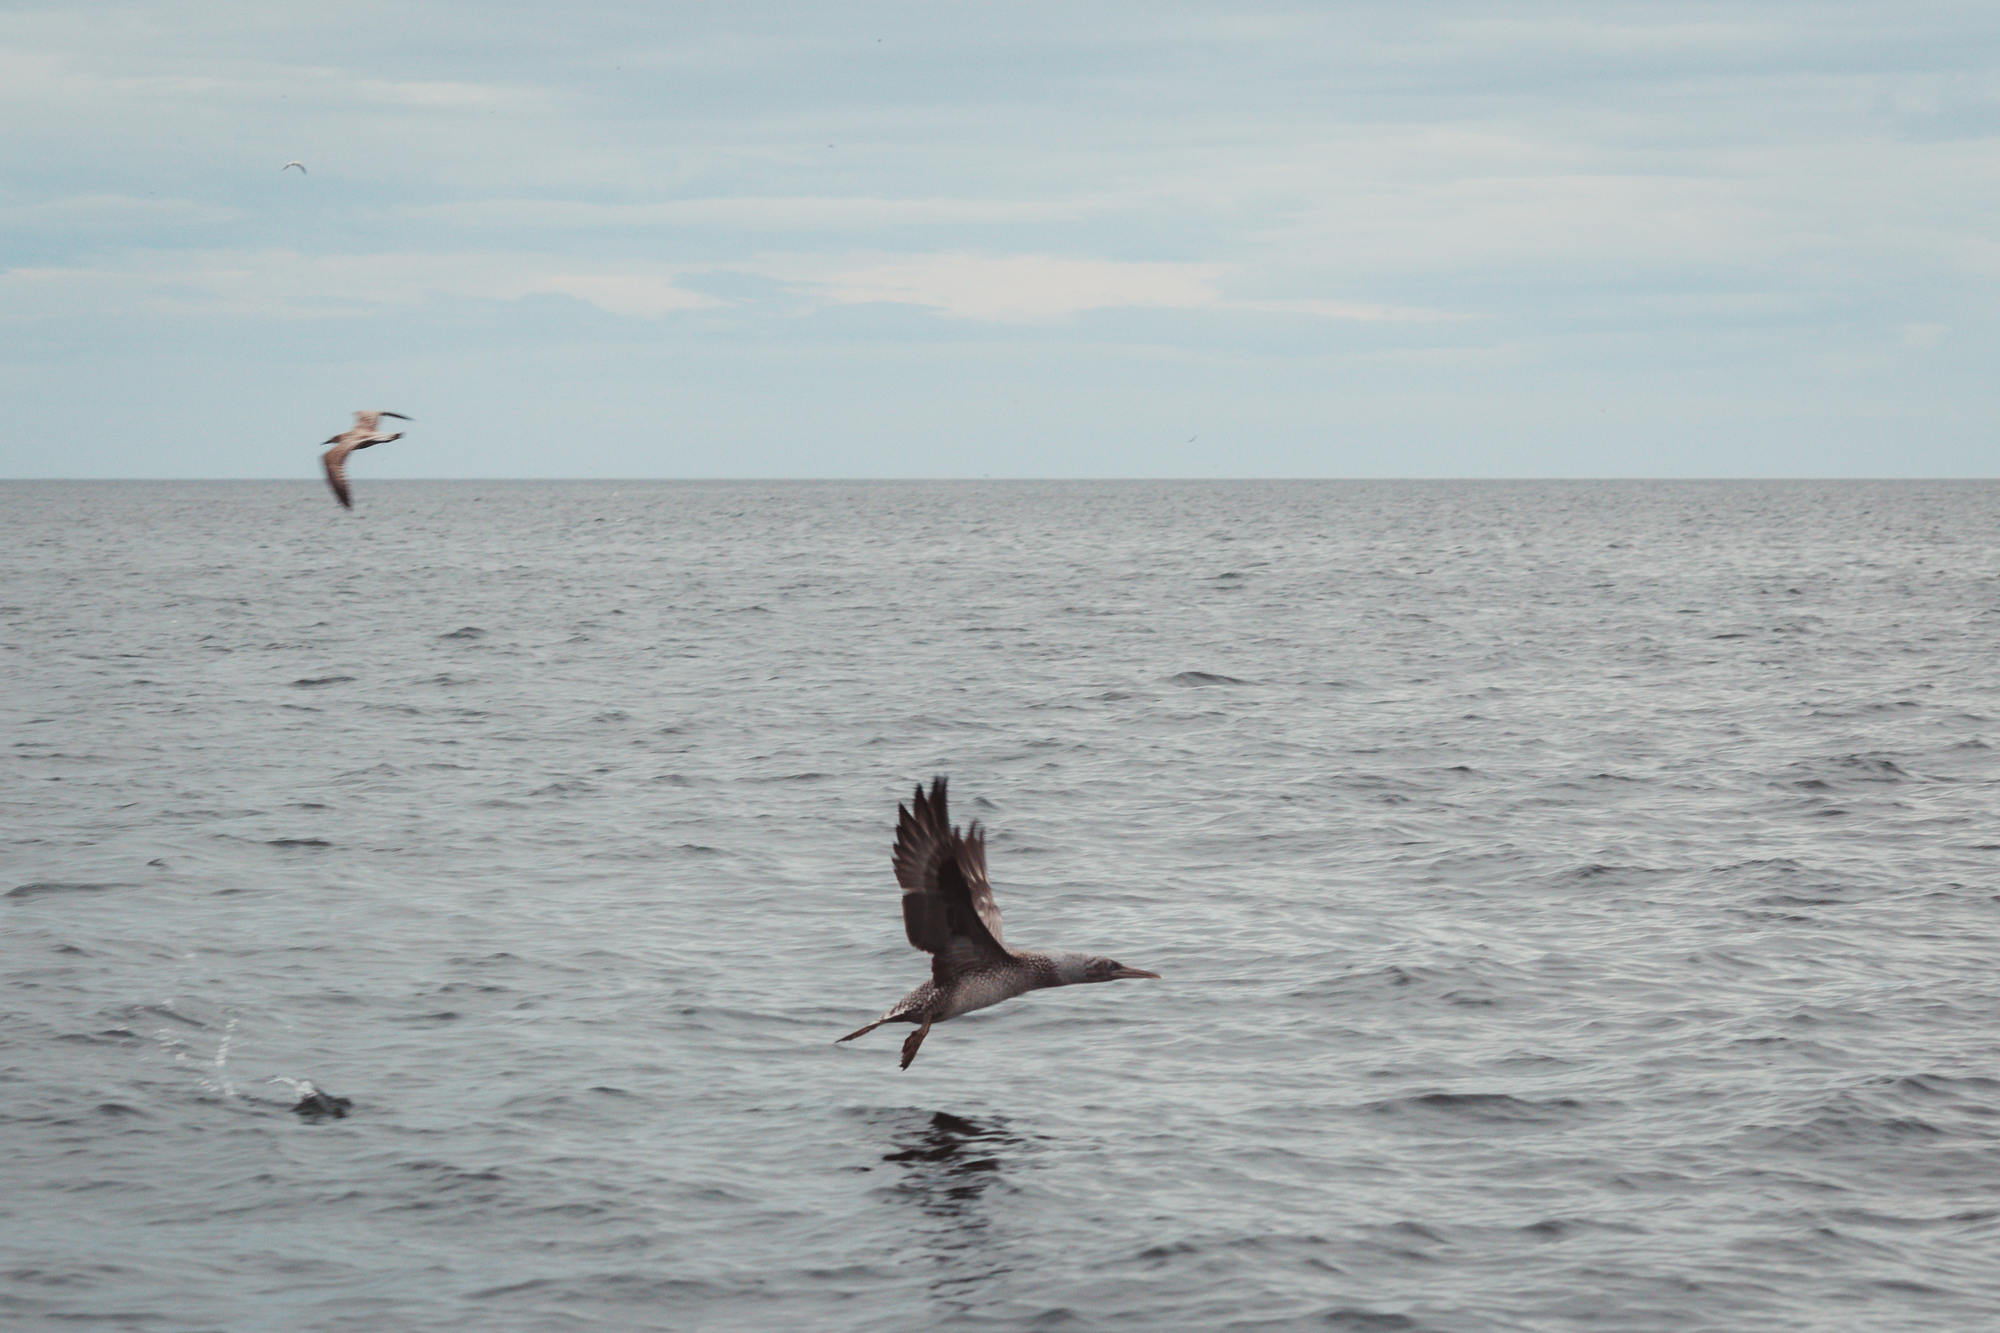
336 472
948 908
368 421
300 165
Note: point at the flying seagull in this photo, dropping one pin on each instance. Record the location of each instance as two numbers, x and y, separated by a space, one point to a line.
948 912
300 165
364 435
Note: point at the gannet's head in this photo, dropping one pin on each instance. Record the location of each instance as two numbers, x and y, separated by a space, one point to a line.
1073 968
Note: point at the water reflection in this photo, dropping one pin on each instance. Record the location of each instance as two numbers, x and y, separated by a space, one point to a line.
949 1161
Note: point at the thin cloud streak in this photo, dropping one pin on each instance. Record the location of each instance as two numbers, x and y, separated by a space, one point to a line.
288 285
767 213
1001 289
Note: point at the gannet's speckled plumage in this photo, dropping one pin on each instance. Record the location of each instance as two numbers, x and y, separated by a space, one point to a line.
949 913
365 434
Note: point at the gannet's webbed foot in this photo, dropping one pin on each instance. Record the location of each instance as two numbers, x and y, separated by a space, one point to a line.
914 1040
860 1031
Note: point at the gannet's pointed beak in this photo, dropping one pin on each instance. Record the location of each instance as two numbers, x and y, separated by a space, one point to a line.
1124 973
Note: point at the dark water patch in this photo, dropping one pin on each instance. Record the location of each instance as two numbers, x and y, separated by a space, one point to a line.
1478 1108
77 1274
314 682
1473 999
1847 1128
1873 708
108 1037
1409 1229
1363 1321
1828 774
1600 874
48 886
1774 866
1200 678
574 1212
1783 900
297 842
447 1176
465 633
534 1284
472 987
1158 1256
1562 1228
1394 975
1982 1088
631 1291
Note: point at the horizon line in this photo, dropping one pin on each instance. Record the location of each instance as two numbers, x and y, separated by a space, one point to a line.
836 479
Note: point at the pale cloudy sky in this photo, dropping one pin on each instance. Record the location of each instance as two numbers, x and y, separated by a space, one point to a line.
1019 239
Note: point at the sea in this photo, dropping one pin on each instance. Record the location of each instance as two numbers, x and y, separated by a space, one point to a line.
1577 905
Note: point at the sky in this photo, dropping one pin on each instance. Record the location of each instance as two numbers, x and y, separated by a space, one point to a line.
939 239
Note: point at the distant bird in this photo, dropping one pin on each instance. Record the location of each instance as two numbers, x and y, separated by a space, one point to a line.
364 435
948 912
300 165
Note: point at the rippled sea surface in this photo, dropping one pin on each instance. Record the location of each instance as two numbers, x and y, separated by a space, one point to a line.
1578 905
